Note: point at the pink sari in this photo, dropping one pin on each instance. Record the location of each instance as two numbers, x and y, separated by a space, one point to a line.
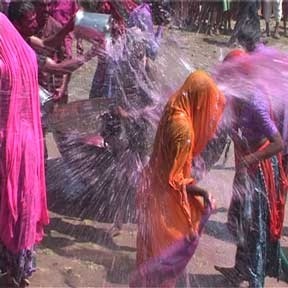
23 208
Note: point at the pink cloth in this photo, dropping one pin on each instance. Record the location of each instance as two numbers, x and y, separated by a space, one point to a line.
23 208
63 11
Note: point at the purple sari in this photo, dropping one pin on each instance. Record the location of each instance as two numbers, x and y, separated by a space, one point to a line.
172 261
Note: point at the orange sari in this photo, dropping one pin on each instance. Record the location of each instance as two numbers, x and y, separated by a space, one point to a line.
167 213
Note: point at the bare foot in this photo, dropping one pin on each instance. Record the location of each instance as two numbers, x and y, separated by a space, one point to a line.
244 284
276 35
25 282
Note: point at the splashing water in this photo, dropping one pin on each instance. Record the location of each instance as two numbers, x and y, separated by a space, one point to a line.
264 69
102 180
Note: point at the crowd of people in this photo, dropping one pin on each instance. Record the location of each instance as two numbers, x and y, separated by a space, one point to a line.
36 53
214 17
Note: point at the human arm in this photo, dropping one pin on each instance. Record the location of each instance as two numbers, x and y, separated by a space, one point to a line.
61 91
195 190
68 65
64 67
52 41
275 146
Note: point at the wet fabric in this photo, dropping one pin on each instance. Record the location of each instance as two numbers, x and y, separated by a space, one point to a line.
20 266
253 123
254 117
256 212
167 214
266 69
141 17
122 72
255 218
163 270
23 207
123 76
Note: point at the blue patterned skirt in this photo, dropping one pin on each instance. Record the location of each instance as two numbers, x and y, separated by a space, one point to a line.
19 267
258 255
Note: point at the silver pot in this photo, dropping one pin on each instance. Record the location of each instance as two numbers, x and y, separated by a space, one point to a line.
91 26
46 104
45 96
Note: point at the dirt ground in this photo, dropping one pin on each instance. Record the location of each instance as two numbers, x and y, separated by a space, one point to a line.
79 253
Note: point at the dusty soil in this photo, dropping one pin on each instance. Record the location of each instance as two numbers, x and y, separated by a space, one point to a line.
79 253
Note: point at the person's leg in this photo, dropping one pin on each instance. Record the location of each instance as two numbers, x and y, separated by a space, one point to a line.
44 131
211 17
277 7
285 14
204 14
285 25
228 20
238 273
243 11
267 11
258 234
219 16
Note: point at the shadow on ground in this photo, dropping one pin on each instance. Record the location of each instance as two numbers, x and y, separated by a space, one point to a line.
216 42
84 233
203 280
117 263
218 230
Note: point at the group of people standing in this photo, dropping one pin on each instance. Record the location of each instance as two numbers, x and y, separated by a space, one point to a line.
214 17
172 209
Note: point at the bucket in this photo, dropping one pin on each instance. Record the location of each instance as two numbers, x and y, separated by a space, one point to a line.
92 26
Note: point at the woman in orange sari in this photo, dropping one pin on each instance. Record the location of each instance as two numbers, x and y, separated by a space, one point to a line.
172 209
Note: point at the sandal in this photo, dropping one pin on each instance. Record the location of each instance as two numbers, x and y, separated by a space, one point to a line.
233 275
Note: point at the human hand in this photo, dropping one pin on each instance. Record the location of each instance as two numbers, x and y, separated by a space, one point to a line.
192 236
206 197
58 94
121 112
91 53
